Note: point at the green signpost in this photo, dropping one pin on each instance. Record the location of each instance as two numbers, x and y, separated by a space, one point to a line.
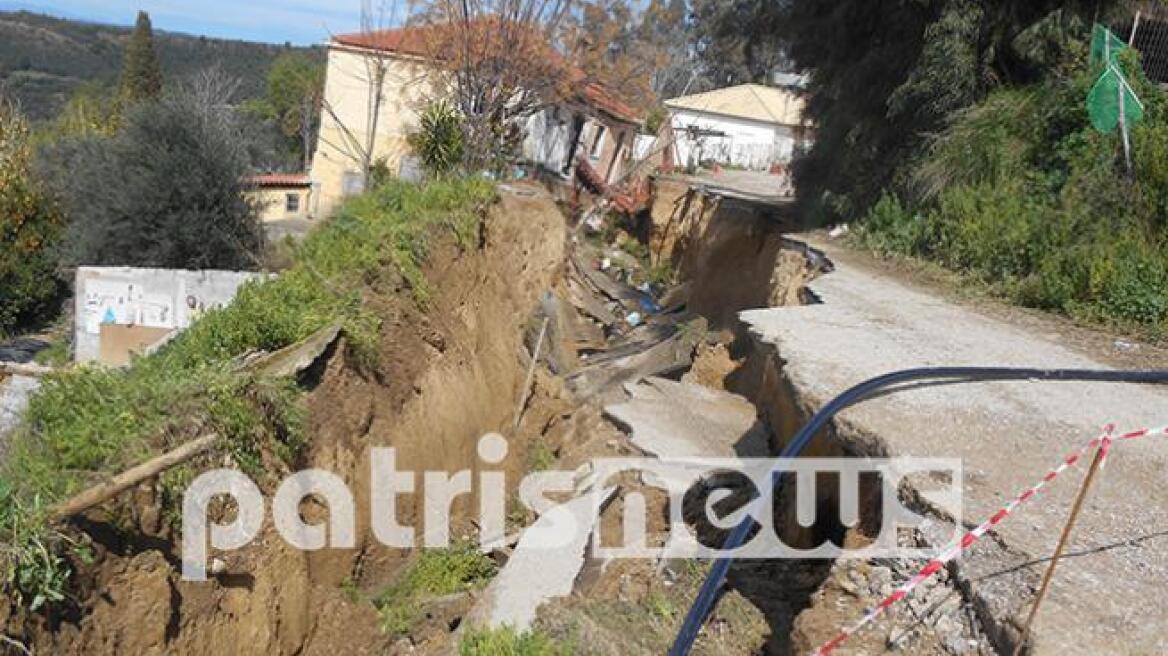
1112 103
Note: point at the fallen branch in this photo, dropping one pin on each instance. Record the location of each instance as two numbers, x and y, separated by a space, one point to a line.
131 477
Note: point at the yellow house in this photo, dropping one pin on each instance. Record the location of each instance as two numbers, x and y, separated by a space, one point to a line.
599 129
282 196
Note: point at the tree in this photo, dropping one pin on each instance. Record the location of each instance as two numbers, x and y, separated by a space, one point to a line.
141 71
30 226
293 100
665 26
358 142
615 46
884 76
506 60
92 109
738 41
501 65
167 190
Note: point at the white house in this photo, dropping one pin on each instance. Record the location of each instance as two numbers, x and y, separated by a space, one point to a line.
750 126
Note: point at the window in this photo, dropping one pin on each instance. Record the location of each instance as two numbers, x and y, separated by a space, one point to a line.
292 203
597 140
352 183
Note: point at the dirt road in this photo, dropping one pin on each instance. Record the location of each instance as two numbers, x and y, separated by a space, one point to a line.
1111 595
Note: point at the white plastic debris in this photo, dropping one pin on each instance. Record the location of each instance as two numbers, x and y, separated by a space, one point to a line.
838 231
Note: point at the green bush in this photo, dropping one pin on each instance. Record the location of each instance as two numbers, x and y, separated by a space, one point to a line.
436 573
30 227
507 642
439 141
1021 193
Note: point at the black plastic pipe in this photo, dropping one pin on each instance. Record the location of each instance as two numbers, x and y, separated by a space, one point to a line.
708 594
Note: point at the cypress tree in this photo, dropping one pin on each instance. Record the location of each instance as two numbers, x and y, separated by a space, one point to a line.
141 72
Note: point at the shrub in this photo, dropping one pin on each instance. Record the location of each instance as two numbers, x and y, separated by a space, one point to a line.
1020 192
890 229
167 190
439 139
30 226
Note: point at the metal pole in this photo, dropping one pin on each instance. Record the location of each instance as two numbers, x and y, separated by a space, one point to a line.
526 391
1135 27
1127 159
1062 545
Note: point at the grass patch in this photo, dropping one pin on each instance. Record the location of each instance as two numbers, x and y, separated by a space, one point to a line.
507 642
55 355
89 422
437 572
540 456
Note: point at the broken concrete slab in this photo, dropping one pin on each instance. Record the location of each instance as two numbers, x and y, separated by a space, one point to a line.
544 565
293 359
682 420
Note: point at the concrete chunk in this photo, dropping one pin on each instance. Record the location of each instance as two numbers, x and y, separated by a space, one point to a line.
544 566
682 420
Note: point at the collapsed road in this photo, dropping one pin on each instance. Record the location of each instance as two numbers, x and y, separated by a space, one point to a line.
1008 435
759 331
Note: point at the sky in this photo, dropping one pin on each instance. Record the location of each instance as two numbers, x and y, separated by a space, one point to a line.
275 21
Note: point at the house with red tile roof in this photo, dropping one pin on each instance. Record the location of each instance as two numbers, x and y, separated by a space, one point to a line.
587 124
282 196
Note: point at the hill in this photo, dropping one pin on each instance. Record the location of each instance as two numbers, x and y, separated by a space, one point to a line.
44 59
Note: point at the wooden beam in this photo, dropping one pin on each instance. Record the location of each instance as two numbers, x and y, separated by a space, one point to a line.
109 489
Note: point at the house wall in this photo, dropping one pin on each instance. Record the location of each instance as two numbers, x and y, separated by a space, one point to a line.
610 156
273 203
547 137
748 143
407 87
117 308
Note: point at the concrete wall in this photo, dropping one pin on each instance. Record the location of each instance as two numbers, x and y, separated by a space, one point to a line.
146 301
273 203
548 136
748 143
408 86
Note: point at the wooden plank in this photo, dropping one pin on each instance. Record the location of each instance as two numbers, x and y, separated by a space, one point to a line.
623 294
587 302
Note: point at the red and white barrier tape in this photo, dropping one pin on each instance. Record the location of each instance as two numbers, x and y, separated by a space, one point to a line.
1103 442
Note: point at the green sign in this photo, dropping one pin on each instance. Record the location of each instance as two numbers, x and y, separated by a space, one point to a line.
1103 102
1105 46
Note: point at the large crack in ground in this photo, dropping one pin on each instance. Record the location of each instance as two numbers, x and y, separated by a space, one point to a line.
453 372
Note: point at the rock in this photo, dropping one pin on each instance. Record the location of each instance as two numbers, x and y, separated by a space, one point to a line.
879 580
958 644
